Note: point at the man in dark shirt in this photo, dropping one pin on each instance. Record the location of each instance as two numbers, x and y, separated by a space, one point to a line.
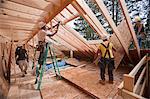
22 59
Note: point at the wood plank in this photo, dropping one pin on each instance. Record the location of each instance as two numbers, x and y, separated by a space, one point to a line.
17 18
32 3
128 82
73 42
70 19
87 80
77 35
129 95
54 89
21 8
13 92
129 24
20 14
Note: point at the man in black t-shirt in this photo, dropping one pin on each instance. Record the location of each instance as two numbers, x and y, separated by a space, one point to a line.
22 59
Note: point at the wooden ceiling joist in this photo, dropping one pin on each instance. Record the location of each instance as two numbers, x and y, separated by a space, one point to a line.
21 8
16 18
15 26
49 17
74 37
7 28
72 9
16 22
77 35
66 13
112 24
71 42
20 14
69 10
130 26
66 44
70 19
77 41
30 3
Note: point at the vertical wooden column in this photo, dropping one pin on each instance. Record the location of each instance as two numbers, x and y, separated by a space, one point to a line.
71 53
128 82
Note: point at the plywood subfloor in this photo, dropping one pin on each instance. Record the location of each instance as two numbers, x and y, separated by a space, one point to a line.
88 79
23 87
59 89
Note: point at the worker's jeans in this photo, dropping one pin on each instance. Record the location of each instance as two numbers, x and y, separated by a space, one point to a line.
140 42
103 62
23 65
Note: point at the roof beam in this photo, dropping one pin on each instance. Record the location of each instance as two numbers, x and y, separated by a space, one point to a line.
112 24
55 37
70 11
50 16
128 21
81 44
16 18
18 23
72 42
87 14
21 8
70 19
77 35
28 4
15 13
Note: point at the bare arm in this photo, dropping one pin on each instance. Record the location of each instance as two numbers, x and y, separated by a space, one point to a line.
114 48
97 53
56 29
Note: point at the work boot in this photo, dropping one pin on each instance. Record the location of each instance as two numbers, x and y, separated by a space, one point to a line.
25 72
23 75
110 82
102 82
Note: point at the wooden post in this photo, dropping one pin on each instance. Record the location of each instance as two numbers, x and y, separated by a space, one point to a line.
71 53
128 82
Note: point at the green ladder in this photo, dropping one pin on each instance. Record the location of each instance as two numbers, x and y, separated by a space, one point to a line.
55 66
42 69
54 62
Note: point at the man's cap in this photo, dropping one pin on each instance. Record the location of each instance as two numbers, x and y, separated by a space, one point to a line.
137 19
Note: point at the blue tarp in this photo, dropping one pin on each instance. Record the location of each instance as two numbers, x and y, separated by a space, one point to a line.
60 64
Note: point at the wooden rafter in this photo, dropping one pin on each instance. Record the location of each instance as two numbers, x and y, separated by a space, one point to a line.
128 20
112 24
87 14
15 13
29 4
70 11
77 35
16 18
70 19
21 8
50 16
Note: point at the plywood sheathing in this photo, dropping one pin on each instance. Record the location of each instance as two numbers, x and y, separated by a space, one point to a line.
88 78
